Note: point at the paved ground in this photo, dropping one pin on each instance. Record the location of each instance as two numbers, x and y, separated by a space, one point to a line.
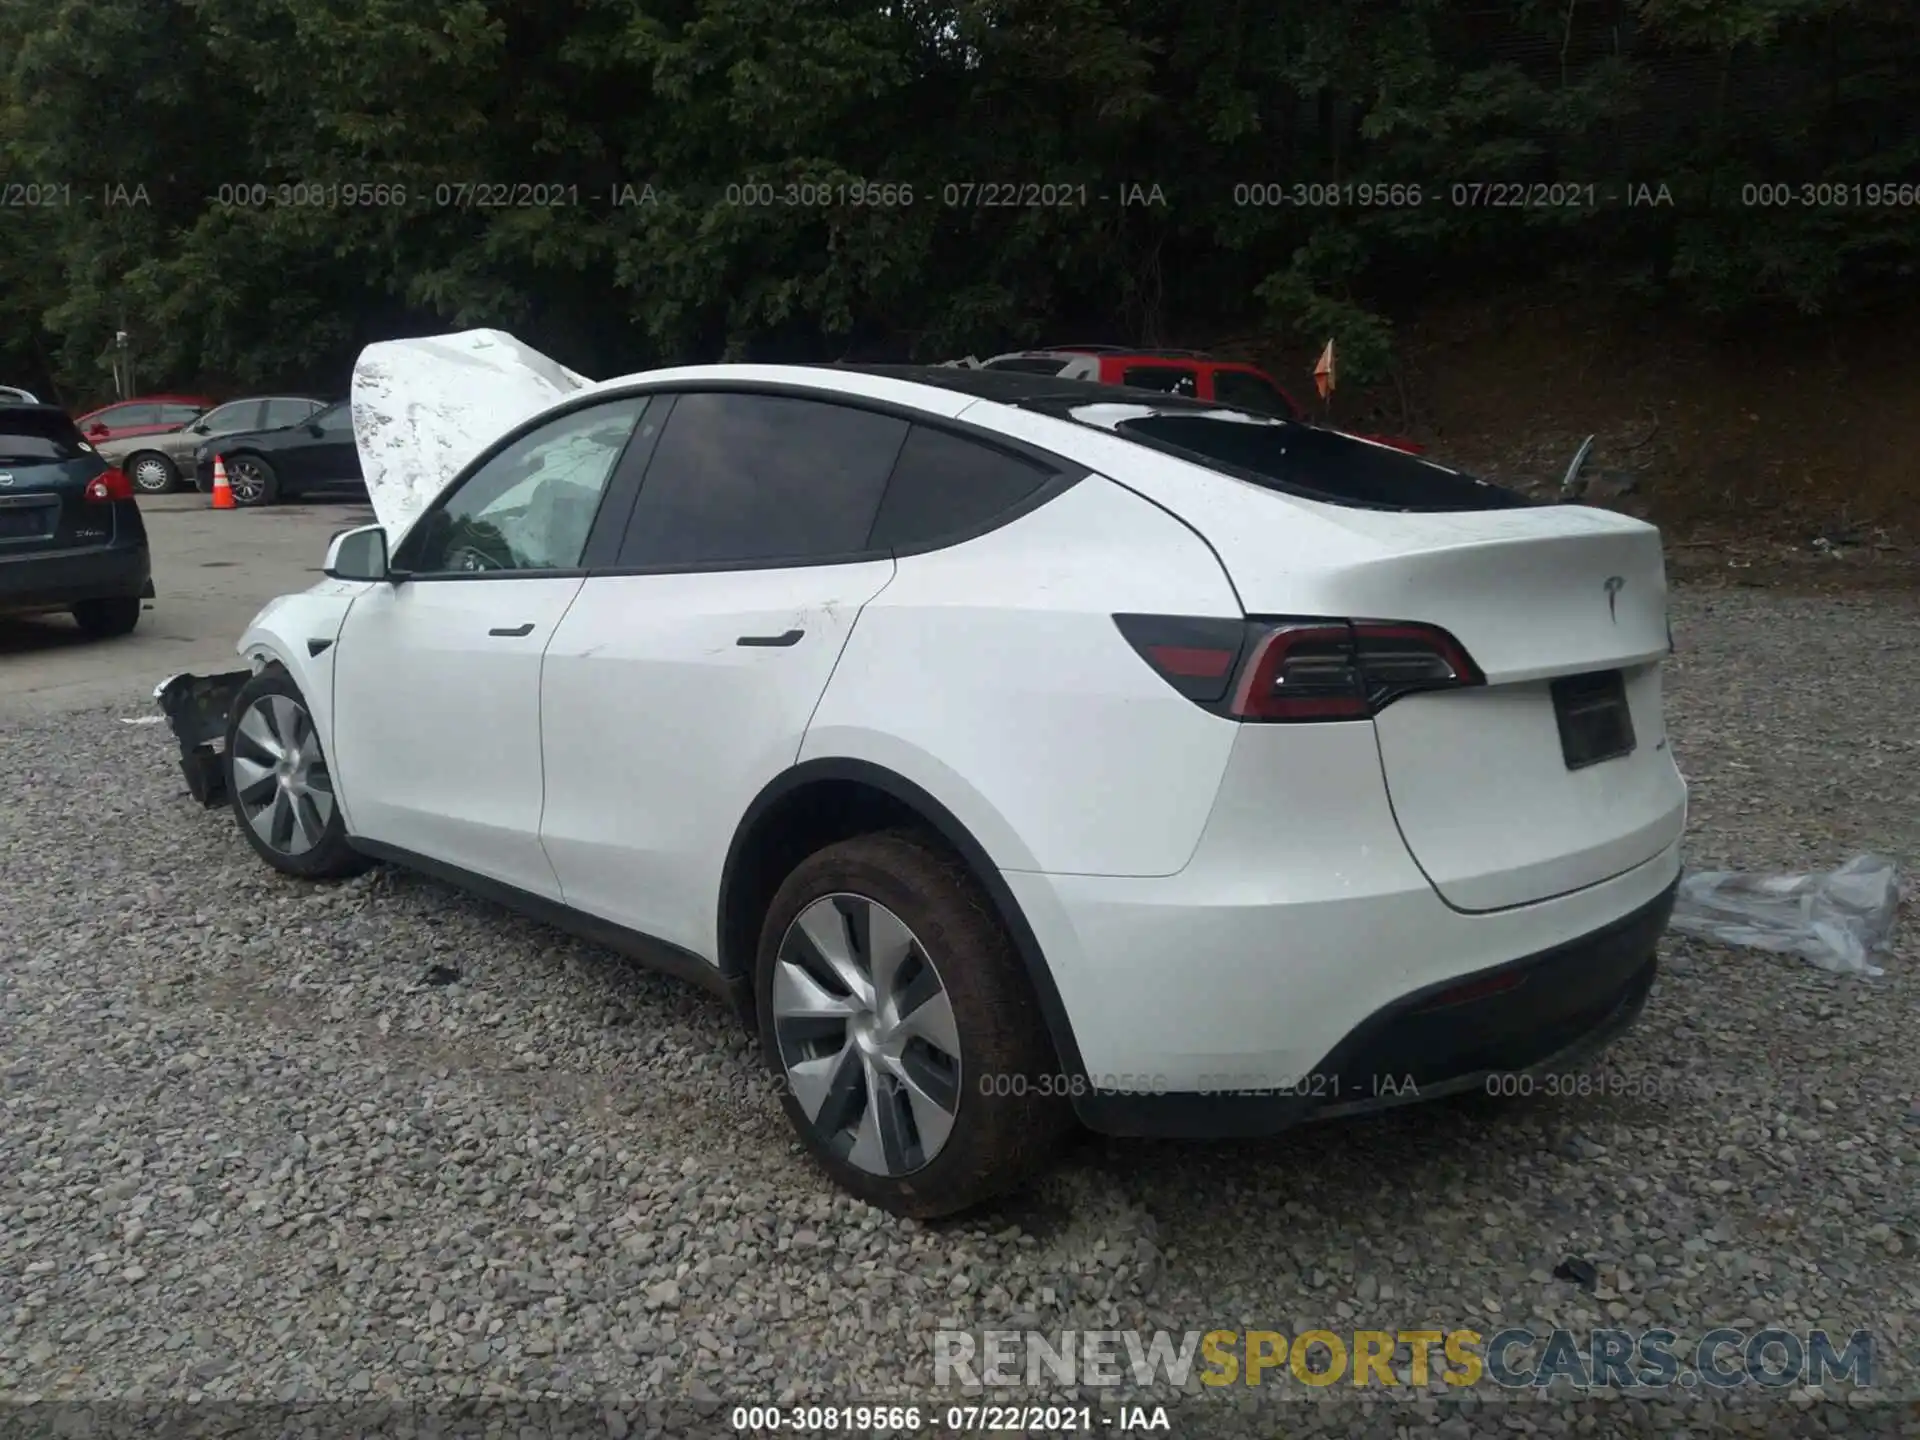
212 570
382 1143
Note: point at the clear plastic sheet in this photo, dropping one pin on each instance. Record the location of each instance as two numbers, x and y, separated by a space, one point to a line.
1838 920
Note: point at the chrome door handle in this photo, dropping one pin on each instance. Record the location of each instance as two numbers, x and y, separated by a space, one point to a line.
513 632
791 637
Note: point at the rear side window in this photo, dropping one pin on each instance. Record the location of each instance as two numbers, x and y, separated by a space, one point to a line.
1245 391
287 412
1168 379
740 477
1319 464
37 437
946 487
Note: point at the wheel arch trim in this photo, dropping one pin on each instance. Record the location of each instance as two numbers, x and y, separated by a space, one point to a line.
950 829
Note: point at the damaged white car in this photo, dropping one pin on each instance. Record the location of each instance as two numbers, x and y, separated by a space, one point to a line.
1005 749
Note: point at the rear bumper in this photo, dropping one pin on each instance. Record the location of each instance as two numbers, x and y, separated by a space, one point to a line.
1301 935
1530 1016
64 577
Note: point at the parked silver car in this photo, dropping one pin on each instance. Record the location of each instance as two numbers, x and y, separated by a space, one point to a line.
155 463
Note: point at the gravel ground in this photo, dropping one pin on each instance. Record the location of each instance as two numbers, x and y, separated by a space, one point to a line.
256 1147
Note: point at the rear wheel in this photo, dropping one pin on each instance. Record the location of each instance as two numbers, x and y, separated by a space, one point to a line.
902 1026
152 473
252 480
104 619
279 784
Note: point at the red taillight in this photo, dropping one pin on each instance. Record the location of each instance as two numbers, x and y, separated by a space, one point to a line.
109 485
1299 669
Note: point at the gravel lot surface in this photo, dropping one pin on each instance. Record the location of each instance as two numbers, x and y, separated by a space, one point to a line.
256 1146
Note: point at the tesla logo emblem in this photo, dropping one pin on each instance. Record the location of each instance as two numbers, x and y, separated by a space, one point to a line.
1615 583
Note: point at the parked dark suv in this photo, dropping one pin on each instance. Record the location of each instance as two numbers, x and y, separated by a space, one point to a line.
71 537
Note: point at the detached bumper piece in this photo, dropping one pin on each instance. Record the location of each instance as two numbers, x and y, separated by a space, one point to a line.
1540 1014
197 708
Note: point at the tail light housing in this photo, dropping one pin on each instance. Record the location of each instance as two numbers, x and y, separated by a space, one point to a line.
1299 669
108 486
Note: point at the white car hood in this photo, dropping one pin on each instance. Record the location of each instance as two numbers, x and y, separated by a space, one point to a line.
424 408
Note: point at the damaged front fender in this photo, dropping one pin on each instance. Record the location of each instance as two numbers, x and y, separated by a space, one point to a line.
295 632
197 707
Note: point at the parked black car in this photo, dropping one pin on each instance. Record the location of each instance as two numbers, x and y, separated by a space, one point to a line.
71 536
154 462
268 465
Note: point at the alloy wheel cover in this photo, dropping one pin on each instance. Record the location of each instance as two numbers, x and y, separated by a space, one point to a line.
867 1038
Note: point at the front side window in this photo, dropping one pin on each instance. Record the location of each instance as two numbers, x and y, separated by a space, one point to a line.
740 477
180 414
530 506
336 419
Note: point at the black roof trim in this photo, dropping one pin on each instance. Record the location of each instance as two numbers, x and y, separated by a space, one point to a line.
1030 391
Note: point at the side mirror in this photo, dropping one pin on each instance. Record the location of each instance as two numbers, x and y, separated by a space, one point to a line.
358 554
198 427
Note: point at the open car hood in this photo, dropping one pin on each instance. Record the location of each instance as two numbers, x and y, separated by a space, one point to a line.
424 408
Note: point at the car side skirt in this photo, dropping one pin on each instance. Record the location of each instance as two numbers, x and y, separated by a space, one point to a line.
656 954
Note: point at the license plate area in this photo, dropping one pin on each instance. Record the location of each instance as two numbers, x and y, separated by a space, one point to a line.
26 519
1595 723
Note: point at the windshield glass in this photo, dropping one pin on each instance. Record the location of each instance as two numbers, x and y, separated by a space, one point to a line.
38 437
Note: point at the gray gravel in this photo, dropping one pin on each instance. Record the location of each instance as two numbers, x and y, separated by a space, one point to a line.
249 1152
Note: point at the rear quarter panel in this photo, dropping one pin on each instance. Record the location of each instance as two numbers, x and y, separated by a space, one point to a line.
998 660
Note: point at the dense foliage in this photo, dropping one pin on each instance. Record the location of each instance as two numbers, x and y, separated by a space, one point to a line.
131 132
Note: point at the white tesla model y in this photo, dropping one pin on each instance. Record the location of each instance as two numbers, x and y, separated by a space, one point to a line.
1006 750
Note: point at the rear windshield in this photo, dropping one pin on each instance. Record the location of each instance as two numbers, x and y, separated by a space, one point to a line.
1318 464
38 437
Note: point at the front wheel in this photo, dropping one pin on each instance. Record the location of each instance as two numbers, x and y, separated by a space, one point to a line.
902 1026
279 784
252 481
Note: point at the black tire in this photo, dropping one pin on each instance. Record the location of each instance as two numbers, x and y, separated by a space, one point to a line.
108 618
1011 1110
260 485
329 857
151 473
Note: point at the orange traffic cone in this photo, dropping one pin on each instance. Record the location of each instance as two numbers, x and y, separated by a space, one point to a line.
222 491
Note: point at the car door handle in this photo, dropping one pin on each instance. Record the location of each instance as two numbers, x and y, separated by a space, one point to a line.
513 632
791 637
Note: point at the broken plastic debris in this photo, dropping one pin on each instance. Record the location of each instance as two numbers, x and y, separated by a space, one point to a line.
1578 1272
1838 920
